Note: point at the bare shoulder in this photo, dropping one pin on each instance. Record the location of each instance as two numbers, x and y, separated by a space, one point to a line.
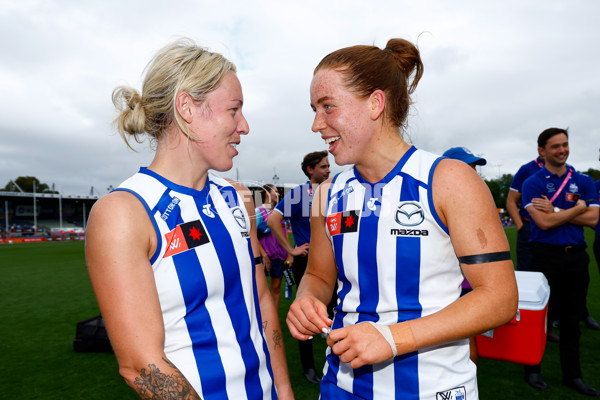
119 218
454 179
459 191
452 171
116 204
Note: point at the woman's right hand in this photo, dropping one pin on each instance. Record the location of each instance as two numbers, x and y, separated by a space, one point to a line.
300 250
307 317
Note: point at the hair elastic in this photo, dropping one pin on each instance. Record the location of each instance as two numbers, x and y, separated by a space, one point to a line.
485 258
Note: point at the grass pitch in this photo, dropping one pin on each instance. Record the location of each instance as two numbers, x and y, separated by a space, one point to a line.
45 291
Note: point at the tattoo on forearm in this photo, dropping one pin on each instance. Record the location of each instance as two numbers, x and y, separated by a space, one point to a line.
265 326
155 385
277 338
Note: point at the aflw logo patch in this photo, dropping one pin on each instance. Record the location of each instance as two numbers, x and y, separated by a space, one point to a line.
343 222
184 237
458 393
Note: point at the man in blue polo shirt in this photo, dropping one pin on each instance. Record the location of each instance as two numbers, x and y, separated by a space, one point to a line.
597 238
558 247
296 206
519 215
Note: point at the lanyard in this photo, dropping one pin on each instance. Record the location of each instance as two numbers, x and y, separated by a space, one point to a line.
562 186
539 162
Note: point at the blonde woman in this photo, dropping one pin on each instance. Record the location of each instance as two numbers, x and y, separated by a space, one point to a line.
171 251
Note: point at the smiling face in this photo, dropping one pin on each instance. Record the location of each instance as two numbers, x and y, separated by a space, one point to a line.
342 118
556 150
218 124
320 172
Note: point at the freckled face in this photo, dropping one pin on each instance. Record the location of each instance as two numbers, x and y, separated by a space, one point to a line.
219 124
342 118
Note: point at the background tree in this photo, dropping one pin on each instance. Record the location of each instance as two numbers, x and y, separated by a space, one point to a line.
26 184
499 188
594 173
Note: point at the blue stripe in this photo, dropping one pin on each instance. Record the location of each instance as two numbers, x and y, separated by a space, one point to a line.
330 391
408 264
259 320
194 289
173 186
392 174
151 215
233 297
344 287
230 195
368 278
173 217
435 215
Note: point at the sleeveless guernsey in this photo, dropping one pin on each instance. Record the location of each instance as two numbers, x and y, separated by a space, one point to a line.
395 263
205 277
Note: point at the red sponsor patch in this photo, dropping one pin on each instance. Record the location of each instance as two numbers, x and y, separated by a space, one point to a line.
342 222
184 237
572 197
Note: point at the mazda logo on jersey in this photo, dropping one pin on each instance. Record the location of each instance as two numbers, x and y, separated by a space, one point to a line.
410 214
238 215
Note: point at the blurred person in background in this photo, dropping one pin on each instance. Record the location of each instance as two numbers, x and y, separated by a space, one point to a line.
558 248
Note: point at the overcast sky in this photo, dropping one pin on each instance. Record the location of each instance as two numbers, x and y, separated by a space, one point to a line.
496 75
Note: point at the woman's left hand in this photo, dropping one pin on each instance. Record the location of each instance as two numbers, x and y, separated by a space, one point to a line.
359 345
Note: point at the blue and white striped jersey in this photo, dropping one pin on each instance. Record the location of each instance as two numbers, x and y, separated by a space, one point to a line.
395 263
205 278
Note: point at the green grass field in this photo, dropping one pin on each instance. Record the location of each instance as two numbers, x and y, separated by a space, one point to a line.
45 291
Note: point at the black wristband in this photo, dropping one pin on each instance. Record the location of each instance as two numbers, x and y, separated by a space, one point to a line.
485 258
258 260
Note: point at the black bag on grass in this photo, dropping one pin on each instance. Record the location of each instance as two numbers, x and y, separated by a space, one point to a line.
91 337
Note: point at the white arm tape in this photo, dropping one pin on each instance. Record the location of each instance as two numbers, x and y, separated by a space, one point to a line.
386 332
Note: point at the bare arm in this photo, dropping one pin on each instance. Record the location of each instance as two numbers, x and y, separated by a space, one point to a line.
513 209
587 218
274 223
548 220
543 204
472 220
120 241
308 313
270 318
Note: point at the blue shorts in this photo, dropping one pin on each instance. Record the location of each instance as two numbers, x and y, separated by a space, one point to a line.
276 269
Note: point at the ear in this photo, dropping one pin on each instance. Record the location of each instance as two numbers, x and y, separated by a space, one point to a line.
377 104
310 170
541 152
184 104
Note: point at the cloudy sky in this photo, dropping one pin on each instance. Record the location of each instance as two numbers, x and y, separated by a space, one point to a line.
496 75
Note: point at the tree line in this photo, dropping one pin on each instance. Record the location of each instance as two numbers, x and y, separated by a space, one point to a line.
499 187
26 183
